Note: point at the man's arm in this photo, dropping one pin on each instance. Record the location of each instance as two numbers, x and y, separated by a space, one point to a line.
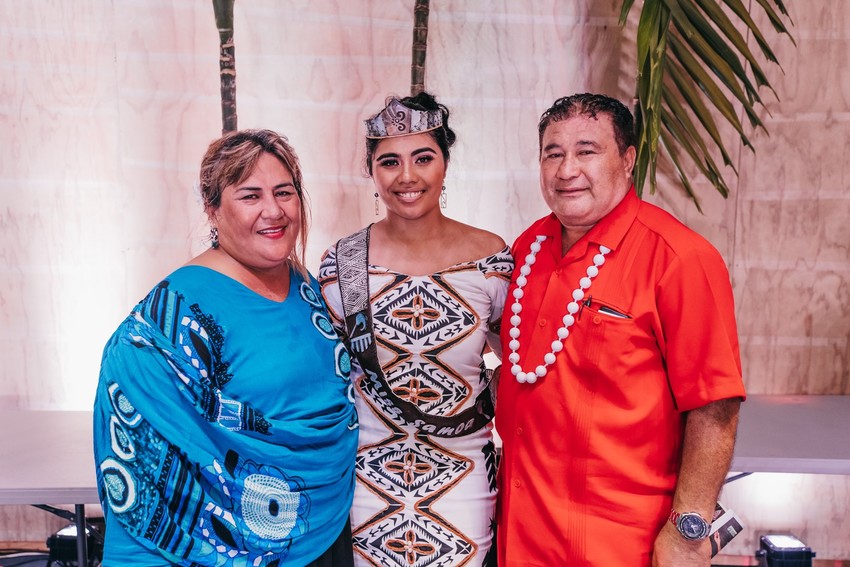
706 455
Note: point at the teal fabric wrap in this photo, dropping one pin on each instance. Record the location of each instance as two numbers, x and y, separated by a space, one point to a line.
224 426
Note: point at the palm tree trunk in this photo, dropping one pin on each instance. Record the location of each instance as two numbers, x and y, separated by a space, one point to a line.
420 46
227 63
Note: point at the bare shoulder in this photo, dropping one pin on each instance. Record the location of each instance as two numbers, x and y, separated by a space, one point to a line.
479 243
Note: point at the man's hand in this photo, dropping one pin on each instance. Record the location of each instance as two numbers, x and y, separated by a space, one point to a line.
706 454
671 549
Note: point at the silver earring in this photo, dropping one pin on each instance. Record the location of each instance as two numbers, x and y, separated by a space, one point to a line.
443 198
214 237
377 211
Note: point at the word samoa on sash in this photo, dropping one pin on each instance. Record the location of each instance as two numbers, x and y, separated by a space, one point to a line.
439 426
352 256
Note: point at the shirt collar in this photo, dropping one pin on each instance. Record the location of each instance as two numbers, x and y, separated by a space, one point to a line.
609 231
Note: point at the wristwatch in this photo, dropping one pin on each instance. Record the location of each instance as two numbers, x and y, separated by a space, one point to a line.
691 525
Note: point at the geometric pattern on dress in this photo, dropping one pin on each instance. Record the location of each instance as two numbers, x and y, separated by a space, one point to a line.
499 265
426 316
410 469
410 475
412 540
423 312
272 506
435 391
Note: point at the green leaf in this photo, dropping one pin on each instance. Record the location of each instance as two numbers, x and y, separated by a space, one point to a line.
669 146
743 13
710 88
624 11
699 110
694 64
774 18
696 149
651 44
724 24
715 53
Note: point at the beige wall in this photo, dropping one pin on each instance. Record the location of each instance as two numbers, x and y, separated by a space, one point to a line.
108 106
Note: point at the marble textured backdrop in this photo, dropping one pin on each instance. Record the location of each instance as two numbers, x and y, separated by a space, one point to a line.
107 108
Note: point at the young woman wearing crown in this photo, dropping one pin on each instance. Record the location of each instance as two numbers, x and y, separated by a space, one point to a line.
418 297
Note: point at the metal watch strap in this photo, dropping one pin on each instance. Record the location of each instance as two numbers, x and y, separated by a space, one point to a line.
676 518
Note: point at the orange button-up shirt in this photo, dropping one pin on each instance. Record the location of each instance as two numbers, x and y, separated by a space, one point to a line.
591 451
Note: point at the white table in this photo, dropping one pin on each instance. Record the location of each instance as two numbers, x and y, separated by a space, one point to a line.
46 456
794 434
47 459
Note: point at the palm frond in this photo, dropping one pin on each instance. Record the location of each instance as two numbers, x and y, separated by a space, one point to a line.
691 97
717 55
694 65
721 21
670 146
702 79
651 51
775 20
624 11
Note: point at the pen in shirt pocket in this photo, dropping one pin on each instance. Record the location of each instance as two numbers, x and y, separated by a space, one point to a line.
599 307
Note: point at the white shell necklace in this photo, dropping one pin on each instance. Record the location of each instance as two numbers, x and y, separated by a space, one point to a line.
531 377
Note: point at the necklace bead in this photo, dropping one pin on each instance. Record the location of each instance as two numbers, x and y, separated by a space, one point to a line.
568 320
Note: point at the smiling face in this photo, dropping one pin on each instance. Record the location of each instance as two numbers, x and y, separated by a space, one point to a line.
408 172
258 219
583 175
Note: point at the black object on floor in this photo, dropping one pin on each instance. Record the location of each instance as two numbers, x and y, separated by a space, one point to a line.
62 547
783 551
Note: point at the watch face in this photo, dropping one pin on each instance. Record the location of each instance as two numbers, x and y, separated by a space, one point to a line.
693 526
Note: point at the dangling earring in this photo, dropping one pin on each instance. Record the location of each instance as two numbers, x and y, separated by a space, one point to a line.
214 237
443 198
377 212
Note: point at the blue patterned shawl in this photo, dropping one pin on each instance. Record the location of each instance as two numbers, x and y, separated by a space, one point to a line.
224 428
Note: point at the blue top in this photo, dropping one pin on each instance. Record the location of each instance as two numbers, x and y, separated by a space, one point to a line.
224 426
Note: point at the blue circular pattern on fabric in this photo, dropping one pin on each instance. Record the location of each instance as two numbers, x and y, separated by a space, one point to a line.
343 361
121 443
120 485
310 296
269 508
122 406
323 324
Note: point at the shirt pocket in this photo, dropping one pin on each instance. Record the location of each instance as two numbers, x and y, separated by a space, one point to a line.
603 332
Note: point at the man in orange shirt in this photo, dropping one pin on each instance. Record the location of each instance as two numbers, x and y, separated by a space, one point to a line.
620 391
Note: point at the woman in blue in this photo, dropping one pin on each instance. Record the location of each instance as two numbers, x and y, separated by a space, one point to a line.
225 430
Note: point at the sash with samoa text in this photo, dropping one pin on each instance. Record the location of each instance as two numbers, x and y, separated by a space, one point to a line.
352 260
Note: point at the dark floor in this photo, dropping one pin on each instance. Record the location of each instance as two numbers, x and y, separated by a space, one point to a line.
27 558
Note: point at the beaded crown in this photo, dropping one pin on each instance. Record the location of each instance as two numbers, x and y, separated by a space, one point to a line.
399 120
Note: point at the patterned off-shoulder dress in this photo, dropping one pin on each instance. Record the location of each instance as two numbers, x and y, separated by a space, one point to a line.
424 500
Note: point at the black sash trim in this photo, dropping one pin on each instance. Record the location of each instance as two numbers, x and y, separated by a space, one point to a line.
352 264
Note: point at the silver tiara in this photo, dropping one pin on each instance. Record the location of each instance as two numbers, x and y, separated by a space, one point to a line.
399 120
